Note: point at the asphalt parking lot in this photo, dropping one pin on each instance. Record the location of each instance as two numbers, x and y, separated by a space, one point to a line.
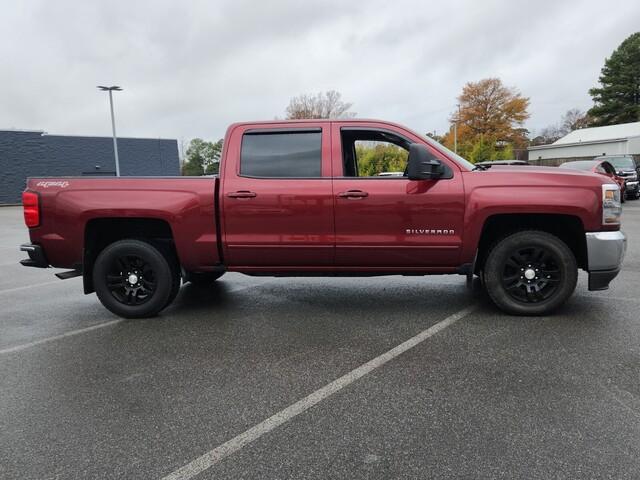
236 381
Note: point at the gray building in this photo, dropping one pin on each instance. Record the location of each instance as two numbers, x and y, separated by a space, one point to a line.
33 153
587 143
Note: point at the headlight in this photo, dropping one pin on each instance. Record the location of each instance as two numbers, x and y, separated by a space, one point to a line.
611 206
632 178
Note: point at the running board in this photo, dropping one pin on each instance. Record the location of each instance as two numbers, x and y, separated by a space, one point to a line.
68 274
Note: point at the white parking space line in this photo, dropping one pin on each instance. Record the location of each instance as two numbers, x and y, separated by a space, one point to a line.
214 456
26 287
72 333
24 346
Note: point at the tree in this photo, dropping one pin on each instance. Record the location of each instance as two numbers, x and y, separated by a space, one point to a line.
617 100
488 112
482 151
202 158
570 121
573 120
376 157
320 105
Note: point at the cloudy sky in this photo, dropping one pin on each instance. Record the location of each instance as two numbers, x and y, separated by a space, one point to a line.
190 68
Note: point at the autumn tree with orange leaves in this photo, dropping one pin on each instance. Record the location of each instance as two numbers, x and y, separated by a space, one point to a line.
489 120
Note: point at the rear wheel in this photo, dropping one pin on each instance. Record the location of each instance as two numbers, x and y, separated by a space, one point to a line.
530 273
133 279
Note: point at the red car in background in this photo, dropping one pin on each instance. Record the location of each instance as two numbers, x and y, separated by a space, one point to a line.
602 167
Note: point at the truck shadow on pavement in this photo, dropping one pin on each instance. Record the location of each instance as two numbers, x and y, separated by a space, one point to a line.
357 300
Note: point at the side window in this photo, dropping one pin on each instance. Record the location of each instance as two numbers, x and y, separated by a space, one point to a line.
376 158
371 153
281 154
601 169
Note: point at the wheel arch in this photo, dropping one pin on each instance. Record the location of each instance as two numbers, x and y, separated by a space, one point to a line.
568 228
101 232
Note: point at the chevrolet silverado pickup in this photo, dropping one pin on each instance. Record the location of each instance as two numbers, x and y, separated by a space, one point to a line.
324 197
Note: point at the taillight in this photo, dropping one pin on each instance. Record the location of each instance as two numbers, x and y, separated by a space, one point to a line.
31 206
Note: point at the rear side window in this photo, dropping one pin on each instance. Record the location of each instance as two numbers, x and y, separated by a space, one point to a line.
281 154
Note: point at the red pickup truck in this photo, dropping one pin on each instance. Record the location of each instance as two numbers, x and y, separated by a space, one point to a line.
329 197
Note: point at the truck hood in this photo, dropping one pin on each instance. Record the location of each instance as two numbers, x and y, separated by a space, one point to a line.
532 176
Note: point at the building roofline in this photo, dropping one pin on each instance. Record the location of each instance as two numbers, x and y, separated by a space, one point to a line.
47 134
574 144
20 130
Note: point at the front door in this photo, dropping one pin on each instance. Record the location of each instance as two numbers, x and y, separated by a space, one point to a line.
277 201
383 219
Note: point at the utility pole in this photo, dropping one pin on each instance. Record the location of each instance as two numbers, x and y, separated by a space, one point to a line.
455 131
113 122
455 136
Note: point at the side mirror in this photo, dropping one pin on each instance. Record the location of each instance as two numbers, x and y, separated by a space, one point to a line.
422 165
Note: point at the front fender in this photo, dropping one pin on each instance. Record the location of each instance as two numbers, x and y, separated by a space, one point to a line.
485 202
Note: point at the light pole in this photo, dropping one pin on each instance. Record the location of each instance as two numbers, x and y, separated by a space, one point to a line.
113 122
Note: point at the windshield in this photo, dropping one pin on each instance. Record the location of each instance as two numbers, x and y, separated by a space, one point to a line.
458 159
621 162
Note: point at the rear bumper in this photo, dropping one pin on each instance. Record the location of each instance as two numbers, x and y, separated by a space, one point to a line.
605 252
37 258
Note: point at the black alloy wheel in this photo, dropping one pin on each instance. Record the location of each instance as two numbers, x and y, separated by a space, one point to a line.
131 280
530 273
134 279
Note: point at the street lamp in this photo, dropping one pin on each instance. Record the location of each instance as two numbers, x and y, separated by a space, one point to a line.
113 122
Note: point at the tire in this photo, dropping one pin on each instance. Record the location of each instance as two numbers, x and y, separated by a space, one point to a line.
176 277
530 273
176 273
133 279
203 279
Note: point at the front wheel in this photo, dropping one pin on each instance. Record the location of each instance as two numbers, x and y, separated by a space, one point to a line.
133 279
530 273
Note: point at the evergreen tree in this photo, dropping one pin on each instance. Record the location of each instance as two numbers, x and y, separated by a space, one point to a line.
617 100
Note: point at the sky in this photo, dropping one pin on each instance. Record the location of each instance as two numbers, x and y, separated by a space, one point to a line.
190 68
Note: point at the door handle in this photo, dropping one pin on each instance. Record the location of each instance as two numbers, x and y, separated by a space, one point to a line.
353 194
241 194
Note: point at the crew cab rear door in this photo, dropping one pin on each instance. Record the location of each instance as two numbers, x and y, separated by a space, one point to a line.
383 219
276 195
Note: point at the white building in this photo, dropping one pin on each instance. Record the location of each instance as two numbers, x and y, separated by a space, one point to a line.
587 143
